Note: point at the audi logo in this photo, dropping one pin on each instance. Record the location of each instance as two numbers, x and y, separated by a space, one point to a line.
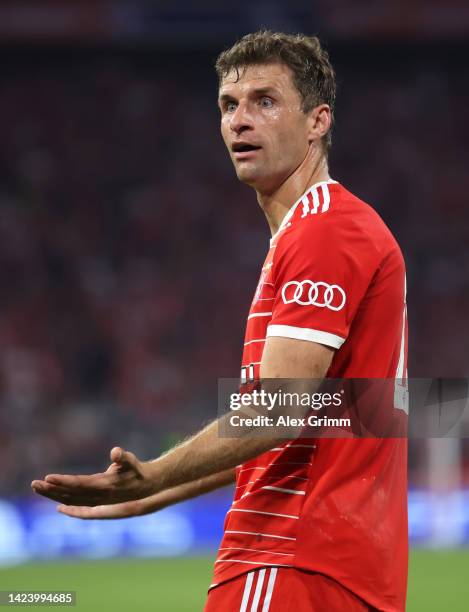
310 293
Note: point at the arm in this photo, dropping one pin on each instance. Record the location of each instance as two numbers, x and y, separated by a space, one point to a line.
153 503
205 452
203 455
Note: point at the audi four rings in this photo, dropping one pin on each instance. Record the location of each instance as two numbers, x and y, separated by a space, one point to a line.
310 293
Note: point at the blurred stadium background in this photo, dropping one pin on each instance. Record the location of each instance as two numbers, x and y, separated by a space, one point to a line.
119 215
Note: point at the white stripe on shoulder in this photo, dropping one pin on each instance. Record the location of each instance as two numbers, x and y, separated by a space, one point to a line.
259 314
315 195
302 333
327 197
289 215
255 340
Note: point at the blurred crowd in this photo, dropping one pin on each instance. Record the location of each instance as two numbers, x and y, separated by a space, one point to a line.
129 252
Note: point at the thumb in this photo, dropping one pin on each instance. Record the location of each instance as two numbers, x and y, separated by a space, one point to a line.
121 457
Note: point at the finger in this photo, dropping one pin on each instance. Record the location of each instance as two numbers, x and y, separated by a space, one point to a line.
114 511
37 483
93 482
41 485
56 497
63 479
69 499
64 495
122 457
83 512
85 490
116 454
54 493
114 467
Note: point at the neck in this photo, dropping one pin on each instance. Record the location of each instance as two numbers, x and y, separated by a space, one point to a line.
277 203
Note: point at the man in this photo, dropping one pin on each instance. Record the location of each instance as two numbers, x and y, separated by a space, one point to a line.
315 525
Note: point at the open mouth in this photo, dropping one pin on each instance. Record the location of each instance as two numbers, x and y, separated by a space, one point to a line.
243 147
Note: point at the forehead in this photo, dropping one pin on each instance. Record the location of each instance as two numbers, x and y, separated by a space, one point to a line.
257 76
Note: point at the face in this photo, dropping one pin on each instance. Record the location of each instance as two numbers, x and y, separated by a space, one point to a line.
263 126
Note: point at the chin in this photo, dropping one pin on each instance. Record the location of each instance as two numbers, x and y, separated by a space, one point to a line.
261 182
249 176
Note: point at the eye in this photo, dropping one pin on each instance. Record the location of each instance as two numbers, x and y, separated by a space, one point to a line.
230 107
266 102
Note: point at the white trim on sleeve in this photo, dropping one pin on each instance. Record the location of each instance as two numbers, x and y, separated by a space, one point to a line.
302 333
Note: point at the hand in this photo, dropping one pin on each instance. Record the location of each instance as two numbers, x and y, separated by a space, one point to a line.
138 507
126 479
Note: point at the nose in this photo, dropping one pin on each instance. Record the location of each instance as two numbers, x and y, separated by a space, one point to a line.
241 119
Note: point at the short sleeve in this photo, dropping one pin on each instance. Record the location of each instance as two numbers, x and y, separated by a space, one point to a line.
322 268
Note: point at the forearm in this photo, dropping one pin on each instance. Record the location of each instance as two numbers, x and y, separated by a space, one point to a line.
208 452
203 455
180 493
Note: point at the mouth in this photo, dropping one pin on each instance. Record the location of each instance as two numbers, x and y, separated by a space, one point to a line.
244 150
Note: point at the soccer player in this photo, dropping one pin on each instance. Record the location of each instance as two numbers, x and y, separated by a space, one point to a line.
316 525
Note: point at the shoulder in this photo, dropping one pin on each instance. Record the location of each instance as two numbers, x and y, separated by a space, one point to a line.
330 216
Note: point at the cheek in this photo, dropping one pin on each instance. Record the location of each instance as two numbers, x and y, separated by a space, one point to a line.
224 129
288 147
278 136
295 142
287 133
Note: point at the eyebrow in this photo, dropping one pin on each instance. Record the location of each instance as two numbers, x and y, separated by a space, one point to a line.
260 91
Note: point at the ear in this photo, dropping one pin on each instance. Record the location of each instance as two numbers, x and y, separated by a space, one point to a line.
319 122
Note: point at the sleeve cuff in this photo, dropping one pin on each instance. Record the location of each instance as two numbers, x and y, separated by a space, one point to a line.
301 333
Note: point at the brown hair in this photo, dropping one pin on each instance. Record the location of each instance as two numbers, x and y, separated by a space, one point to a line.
313 75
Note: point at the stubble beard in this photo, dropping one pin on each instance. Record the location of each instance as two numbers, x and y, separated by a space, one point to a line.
249 176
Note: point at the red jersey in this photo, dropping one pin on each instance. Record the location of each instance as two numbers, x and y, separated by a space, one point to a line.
335 275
